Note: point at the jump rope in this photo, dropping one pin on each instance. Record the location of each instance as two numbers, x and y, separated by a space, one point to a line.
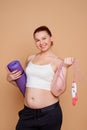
21 82
76 73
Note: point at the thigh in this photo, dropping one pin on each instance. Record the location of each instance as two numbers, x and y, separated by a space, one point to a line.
21 128
54 119
26 120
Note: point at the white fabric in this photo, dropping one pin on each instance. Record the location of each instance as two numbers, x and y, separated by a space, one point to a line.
39 76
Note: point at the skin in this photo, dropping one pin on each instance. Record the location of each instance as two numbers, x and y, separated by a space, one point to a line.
39 98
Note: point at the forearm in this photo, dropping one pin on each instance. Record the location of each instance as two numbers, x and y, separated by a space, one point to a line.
11 81
61 78
59 85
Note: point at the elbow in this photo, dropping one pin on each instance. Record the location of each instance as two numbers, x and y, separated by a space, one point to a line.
62 89
58 91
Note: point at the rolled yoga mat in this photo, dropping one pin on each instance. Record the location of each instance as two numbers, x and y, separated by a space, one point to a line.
21 82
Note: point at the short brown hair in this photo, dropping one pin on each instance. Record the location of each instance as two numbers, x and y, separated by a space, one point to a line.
42 28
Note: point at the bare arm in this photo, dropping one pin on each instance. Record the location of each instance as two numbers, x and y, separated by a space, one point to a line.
59 81
12 76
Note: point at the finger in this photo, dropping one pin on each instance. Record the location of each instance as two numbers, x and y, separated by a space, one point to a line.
69 60
16 71
15 76
65 60
73 59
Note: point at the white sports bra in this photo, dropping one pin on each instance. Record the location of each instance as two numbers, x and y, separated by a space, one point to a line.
39 76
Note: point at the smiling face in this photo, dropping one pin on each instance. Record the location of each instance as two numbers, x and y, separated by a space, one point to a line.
43 40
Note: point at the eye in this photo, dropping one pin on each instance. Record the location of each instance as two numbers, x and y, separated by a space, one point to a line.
44 38
37 40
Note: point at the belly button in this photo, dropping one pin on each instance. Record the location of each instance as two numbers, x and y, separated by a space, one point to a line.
32 98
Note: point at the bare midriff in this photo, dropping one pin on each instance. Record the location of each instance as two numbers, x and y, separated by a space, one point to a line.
38 98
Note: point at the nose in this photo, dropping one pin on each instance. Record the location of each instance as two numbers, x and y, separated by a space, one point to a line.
41 42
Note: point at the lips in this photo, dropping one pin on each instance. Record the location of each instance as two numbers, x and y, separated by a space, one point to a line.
43 46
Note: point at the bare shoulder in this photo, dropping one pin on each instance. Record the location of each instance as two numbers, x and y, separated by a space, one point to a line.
58 60
29 58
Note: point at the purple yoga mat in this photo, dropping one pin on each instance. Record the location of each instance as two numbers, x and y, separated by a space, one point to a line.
21 82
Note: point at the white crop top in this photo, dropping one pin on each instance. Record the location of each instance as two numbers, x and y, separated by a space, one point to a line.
39 76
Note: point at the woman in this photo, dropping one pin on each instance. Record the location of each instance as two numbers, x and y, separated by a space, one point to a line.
45 83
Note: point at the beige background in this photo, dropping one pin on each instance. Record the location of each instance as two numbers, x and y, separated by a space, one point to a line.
67 20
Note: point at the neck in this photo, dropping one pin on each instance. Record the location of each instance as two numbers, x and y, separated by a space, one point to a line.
46 53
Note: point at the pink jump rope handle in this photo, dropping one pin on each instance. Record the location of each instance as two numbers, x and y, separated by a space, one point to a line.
74 84
74 93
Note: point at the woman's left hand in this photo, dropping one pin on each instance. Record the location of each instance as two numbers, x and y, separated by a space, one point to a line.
68 61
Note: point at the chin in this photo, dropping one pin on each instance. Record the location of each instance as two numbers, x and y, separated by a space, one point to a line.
44 50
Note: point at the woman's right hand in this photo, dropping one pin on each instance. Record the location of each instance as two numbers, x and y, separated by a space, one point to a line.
14 75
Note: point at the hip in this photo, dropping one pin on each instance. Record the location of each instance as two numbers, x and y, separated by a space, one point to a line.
46 116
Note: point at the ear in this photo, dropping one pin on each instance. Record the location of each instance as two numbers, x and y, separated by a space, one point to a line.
51 39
